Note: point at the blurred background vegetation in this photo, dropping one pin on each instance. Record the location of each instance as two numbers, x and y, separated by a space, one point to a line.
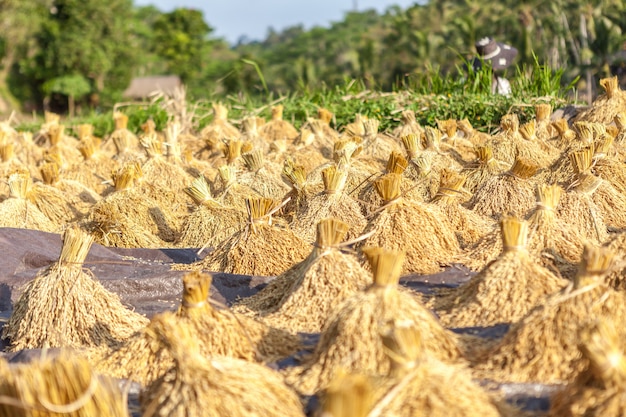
81 54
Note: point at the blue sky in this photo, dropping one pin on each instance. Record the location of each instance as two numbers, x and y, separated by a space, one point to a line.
235 18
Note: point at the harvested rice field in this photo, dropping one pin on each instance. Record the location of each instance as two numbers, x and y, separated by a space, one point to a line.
250 268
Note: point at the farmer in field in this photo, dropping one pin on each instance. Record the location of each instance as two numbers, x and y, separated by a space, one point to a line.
500 56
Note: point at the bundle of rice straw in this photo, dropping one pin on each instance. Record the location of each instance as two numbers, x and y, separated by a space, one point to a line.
61 386
505 290
211 222
470 226
218 332
378 145
511 192
467 131
301 298
611 203
599 388
250 134
66 145
454 142
41 136
348 395
408 125
606 105
543 346
543 126
230 192
351 338
9 163
259 248
301 189
65 307
564 136
318 133
421 386
126 143
219 129
547 153
394 224
484 167
277 128
198 386
62 201
19 212
332 202
24 148
262 176
128 218
95 169
606 164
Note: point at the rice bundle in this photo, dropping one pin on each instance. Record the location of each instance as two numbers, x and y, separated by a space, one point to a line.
320 134
8 161
211 222
564 136
95 169
505 290
197 386
606 165
511 192
332 202
250 134
218 332
351 339
17 211
128 218
544 129
467 131
562 171
485 167
543 153
599 388
259 248
278 129
543 346
65 307
219 129
262 176
301 298
606 105
611 202
408 125
66 145
126 143
295 175
230 192
25 149
347 396
62 386
421 386
377 145
394 224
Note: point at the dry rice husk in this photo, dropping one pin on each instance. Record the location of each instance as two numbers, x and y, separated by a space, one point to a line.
394 224
351 339
65 307
301 298
198 386
505 290
543 346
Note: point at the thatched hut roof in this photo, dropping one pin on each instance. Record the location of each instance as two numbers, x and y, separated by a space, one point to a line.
142 87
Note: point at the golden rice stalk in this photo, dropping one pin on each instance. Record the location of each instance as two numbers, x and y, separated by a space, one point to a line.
606 105
277 128
65 307
393 225
259 248
469 226
347 396
332 202
351 339
65 385
412 144
262 177
599 389
408 125
396 163
543 346
610 202
484 168
510 144
7 151
152 145
505 290
18 211
543 112
424 386
565 137
511 192
125 177
529 130
219 128
608 165
295 175
218 332
197 386
85 131
448 127
300 299
232 193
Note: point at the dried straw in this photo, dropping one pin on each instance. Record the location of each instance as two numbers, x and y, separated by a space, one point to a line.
65 307
505 290
262 176
544 130
198 386
408 125
599 388
470 226
211 222
61 386
347 396
511 192
230 192
485 167
260 248
219 129
606 105
351 340
277 128
17 211
332 202
300 299
126 143
94 171
394 224
543 346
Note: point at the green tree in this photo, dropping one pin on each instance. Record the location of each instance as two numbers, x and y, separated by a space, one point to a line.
73 86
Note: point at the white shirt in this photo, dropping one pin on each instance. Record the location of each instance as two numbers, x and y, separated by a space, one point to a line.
501 85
